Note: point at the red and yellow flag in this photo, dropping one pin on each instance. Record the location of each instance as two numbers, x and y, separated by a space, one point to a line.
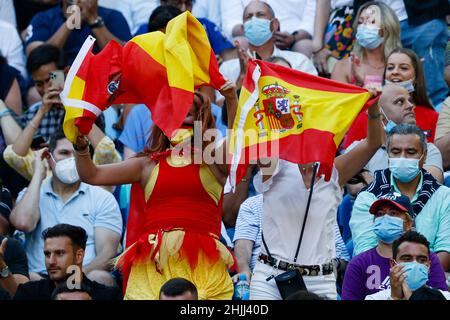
291 115
157 69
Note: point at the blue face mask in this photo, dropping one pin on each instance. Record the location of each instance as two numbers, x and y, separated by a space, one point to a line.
416 274
388 228
390 124
404 169
368 37
408 84
257 31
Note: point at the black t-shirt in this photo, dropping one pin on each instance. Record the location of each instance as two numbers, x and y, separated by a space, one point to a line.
43 289
15 259
7 76
27 9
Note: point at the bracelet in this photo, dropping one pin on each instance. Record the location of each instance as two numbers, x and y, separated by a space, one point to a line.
82 152
5 112
317 51
33 125
371 117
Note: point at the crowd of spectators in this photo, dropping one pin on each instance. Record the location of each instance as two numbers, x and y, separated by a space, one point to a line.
379 229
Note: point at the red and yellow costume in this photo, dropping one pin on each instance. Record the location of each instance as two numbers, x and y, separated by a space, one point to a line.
173 231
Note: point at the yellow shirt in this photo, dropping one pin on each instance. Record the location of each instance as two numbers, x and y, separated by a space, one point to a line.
104 153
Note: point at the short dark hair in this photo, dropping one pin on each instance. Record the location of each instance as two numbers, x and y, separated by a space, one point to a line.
54 138
76 234
45 54
63 288
161 16
177 286
405 129
409 236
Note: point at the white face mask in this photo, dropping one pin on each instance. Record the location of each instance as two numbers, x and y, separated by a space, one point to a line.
66 171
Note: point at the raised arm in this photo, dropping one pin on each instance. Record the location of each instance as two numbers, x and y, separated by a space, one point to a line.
10 128
23 142
129 171
352 162
320 53
228 90
25 216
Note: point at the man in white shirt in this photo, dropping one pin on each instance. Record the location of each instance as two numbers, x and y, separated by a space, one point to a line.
296 16
11 47
410 265
260 25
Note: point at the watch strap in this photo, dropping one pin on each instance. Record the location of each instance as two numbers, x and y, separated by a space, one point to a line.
97 23
4 272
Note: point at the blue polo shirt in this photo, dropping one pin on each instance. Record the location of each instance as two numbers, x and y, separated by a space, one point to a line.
89 207
218 41
45 24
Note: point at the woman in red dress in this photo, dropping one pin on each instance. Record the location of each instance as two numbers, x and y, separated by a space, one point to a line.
175 210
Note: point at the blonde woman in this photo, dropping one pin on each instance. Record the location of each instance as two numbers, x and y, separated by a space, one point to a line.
377 34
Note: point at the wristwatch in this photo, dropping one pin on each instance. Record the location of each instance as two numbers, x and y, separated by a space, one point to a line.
97 23
4 273
86 144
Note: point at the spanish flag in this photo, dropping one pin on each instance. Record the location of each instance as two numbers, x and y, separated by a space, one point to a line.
291 115
161 70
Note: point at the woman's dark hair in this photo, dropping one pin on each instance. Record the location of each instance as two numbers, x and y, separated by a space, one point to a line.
419 95
45 54
161 16
177 286
76 234
409 236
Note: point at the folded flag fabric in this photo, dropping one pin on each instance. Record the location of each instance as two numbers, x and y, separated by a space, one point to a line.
291 115
161 70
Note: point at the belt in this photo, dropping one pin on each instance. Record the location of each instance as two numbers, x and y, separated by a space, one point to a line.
314 270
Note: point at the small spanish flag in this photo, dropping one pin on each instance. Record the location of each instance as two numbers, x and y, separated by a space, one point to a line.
291 115
161 70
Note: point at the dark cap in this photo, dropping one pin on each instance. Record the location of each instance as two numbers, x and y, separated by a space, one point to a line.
398 200
5 203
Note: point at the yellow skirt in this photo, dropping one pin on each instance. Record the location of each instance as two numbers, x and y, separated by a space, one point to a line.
212 280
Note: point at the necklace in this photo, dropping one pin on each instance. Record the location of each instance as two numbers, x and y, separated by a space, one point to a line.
377 68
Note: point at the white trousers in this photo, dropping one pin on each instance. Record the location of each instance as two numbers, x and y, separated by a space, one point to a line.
260 289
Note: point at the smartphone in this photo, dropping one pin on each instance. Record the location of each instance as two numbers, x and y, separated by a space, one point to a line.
38 142
57 78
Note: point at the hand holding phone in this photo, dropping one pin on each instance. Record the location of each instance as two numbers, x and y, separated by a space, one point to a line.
57 78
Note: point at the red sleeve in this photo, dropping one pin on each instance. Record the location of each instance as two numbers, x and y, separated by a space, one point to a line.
426 119
358 129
